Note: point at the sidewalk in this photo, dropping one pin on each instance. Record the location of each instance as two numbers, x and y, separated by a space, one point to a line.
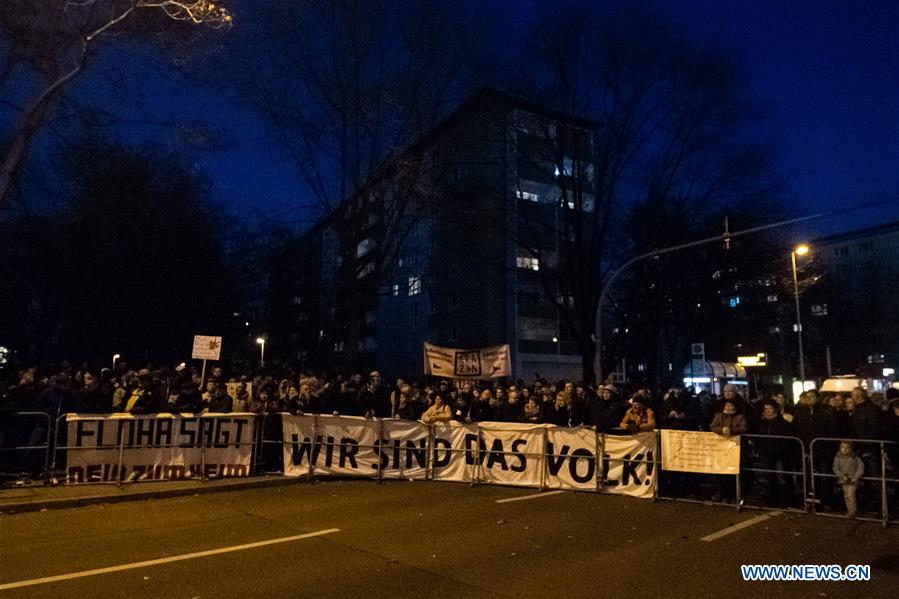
45 497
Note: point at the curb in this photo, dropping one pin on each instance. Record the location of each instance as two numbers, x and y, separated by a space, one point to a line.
119 497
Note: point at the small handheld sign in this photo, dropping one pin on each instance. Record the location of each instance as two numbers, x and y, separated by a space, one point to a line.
206 348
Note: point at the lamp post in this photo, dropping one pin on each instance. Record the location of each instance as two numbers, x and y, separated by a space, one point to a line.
800 250
114 358
261 342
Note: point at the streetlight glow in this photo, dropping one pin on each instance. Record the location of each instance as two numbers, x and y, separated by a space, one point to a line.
261 342
800 250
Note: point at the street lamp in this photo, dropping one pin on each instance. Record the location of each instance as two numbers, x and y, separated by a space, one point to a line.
261 342
800 250
114 358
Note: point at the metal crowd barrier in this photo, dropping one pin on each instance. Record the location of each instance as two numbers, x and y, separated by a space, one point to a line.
751 446
756 454
878 479
39 418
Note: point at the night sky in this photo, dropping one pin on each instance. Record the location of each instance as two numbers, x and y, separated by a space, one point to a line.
826 72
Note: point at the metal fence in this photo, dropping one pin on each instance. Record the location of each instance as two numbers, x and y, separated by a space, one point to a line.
775 472
24 445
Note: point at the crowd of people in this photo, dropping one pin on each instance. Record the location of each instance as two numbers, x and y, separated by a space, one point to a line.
607 408
564 403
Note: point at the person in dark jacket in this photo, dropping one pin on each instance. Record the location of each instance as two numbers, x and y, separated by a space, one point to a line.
607 413
408 406
188 400
221 402
92 399
510 410
891 424
672 413
373 399
866 421
775 454
461 406
480 409
811 422
834 406
558 412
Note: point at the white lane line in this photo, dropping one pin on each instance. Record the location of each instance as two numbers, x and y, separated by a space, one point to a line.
745 524
526 497
162 560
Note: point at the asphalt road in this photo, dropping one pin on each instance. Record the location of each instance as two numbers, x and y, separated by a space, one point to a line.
428 539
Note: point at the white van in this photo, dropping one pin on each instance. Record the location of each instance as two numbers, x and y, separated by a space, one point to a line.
846 383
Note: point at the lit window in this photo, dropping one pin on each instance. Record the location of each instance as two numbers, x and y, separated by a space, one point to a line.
527 195
414 286
396 289
528 263
733 301
772 298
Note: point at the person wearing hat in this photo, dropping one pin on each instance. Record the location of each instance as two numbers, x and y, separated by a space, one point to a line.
606 412
639 417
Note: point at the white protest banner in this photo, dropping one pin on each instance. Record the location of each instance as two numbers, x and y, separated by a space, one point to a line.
455 451
484 363
704 452
571 458
403 449
628 465
342 445
512 454
158 447
531 455
206 347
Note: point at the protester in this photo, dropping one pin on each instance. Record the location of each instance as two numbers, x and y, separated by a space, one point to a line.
221 402
639 418
608 412
728 422
533 411
480 409
438 412
510 409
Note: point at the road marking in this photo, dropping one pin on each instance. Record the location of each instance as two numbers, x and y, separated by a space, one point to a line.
745 524
162 560
526 497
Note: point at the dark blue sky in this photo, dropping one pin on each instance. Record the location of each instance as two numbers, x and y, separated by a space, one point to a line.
827 72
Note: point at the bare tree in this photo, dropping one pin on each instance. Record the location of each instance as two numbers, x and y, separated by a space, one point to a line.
671 142
48 45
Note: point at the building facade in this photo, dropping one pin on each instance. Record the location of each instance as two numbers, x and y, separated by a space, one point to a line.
459 240
853 312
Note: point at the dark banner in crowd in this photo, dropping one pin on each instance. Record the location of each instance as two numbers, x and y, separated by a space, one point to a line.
529 455
120 447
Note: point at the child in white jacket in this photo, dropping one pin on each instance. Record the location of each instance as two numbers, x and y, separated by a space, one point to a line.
849 469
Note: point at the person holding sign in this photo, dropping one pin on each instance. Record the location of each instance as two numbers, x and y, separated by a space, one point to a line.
639 417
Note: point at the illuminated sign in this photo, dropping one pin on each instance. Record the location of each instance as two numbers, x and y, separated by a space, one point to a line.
751 361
